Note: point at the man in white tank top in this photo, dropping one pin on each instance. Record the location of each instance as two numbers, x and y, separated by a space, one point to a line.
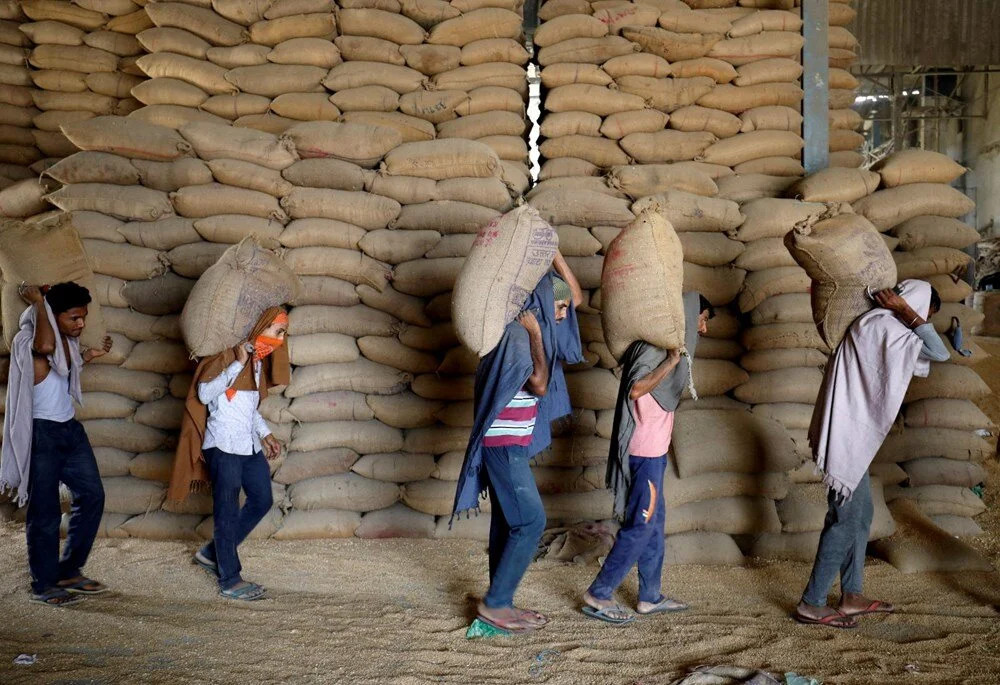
60 452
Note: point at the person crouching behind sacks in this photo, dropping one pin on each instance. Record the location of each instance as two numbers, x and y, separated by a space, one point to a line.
862 391
652 383
519 390
224 440
43 444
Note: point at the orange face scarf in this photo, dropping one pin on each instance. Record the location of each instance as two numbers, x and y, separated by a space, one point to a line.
264 345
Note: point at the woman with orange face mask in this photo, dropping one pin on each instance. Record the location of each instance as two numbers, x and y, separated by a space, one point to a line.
224 441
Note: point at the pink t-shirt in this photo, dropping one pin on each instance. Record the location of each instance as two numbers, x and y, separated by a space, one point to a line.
653 428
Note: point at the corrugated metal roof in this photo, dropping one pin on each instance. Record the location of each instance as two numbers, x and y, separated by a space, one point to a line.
928 32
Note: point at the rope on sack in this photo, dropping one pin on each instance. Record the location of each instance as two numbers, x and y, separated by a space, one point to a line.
694 393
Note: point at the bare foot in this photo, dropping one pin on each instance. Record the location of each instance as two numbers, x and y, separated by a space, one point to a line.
852 604
508 618
612 610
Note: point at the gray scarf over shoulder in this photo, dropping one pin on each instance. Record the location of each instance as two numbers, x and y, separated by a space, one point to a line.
639 361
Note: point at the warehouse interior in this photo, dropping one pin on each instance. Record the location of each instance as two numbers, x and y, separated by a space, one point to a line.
344 157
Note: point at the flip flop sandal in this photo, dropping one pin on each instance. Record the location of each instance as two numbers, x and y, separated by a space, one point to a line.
837 620
605 614
62 597
248 593
514 631
876 607
207 564
79 587
665 606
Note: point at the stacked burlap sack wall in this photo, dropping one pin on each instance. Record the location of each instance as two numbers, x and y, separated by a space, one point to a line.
18 150
934 456
157 206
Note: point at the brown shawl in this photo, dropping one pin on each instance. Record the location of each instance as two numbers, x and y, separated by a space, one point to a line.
190 472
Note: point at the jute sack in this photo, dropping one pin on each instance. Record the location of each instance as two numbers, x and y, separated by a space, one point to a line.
201 21
398 521
600 152
404 410
582 208
891 207
787 308
617 126
436 440
127 137
666 146
709 486
771 217
783 336
564 74
709 249
213 141
946 413
45 253
948 443
357 143
935 231
141 386
174 175
957 526
761 285
746 187
835 185
765 253
749 146
94 167
595 505
586 50
666 95
843 255
318 524
232 294
581 97
127 495
940 471
920 546
716 441
719 284
491 288
737 99
432 496
917 166
126 435
163 525
697 118
302 465
124 202
640 180
690 212
268 526
772 70
799 384
925 262
347 491
569 26
360 375
715 69
641 286
702 549
732 515
940 499
670 45
442 159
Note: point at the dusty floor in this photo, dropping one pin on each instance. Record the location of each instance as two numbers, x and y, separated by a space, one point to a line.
396 612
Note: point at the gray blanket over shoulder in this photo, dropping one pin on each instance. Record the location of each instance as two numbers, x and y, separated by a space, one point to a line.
639 361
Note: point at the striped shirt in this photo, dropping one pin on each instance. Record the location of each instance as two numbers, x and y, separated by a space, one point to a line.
515 423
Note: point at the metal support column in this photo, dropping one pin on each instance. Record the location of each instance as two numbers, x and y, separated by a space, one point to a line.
816 84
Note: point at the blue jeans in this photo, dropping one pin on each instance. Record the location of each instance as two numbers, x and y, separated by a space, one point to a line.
842 545
516 523
60 451
640 539
229 473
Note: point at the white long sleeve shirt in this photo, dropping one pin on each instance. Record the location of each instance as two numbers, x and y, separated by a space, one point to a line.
234 426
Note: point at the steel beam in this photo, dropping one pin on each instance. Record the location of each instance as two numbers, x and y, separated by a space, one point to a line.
816 84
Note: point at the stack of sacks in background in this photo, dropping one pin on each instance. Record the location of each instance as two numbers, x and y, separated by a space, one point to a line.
18 150
83 63
937 447
427 70
660 83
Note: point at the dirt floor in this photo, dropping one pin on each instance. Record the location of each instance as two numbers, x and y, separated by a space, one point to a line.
396 612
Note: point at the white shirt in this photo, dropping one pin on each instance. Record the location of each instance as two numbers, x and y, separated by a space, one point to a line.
51 400
234 426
